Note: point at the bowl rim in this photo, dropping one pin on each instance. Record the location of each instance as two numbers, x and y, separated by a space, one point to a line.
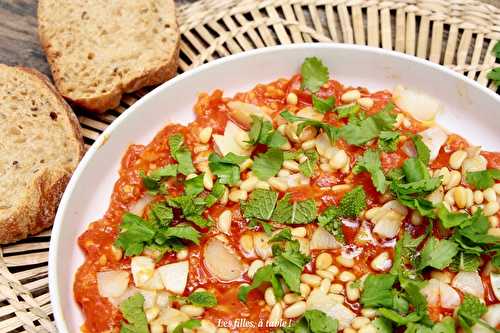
58 224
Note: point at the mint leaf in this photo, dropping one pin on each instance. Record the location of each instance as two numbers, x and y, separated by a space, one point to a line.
203 298
437 253
268 164
377 291
152 181
161 214
260 204
217 192
314 321
307 167
289 264
314 74
370 162
451 219
134 232
262 132
181 154
189 324
180 232
226 168
263 275
323 105
482 180
194 186
283 235
423 152
331 131
133 312
388 141
466 262
299 212
347 111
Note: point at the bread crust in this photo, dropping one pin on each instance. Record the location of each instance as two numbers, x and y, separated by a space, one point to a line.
111 99
47 188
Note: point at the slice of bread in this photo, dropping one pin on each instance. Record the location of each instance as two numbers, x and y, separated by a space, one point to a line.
40 146
98 50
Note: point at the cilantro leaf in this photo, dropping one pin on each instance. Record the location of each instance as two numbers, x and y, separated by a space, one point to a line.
314 74
260 204
194 186
470 312
382 325
423 152
161 214
405 253
298 212
262 131
202 298
370 162
181 154
388 141
482 180
283 235
347 111
180 232
323 105
226 168
267 165
217 192
377 291
263 275
189 324
437 253
153 179
314 321
289 264
133 312
134 232
307 167
331 131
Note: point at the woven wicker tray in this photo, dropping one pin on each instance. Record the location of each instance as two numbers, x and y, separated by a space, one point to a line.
459 34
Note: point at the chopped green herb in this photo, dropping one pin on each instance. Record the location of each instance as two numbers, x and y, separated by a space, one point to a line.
482 180
331 131
437 253
262 132
188 324
470 312
260 204
388 141
465 262
307 167
370 162
202 298
297 212
377 291
194 186
161 214
133 312
347 111
226 168
314 321
181 154
134 233
323 105
267 165
423 152
314 74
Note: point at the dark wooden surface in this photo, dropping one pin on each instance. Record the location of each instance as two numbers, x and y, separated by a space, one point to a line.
18 33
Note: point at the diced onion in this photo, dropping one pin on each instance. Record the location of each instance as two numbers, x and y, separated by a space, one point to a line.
495 284
222 262
149 297
174 276
323 240
233 141
434 138
469 283
112 283
138 207
421 106
440 293
328 304
388 226
142 268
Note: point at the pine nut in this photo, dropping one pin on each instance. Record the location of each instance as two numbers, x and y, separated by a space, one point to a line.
205 134
323 261
436 196
299 232
325 274
291 165
295 310
449 197
369 313
445 173
496 187
476 163
406 123
460 197
491 208
381 262
246 164
470 198
347 276
304 290
365 102
237 195
284 173
351 292
152 313
350 96
325 285
334 269
292 99
276 313
116 252
490 195
208 182
455 178
156 328
224 221
269 296
349 330
309 144
262 246
191 310
291 298
345 261
311 280
246 243
494 232
182 254
416 218
249 184
494 221
478 197
339 160
457 158
277 184
307 134
254 267
359 322
325 167
368 329
225 196
336 288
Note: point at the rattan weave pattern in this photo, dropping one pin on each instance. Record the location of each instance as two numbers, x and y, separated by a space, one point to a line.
459 34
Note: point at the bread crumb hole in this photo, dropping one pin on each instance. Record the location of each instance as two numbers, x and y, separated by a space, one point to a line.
91 56
53 116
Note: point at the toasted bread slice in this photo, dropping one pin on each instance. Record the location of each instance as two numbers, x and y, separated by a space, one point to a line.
40 146
98 50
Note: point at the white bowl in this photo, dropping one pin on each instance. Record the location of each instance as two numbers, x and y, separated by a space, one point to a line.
469 109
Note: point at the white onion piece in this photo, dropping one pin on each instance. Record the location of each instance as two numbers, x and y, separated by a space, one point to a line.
131 291
492 318
434 138
495 284
142 268
431 291
174 276
388 226
469 283
323 240
154 283
222 262
421 106
261 244
149 298
448 296
233 141
112 283
168 316
243 112
409 149
328 304
297 179
137 207
323 144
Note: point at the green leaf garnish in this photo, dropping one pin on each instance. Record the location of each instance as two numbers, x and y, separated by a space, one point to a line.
323 105
314 74
298 212
133 312
482 180
181 154
370 162
267 165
